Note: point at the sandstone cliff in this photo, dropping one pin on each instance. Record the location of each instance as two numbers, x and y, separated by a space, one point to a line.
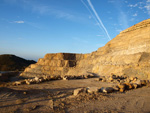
128 53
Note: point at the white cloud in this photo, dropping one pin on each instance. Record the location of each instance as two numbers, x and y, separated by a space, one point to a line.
148 0
135 14
147 6
48 9
140 7
19 22
132 5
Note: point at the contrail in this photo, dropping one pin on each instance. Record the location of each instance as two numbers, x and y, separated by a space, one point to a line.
92 15
90 12
97 19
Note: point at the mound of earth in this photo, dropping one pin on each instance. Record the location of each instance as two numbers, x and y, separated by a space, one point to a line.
13 63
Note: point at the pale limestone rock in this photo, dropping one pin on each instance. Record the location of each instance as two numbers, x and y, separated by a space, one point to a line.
138 82
17 83
27 82
51 104
135 85
93 89
78 91
107 89
65 78
97 79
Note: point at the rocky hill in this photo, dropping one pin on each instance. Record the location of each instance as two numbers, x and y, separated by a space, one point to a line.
127 54
13 63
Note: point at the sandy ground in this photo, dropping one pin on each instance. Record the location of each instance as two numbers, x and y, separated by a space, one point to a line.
57 96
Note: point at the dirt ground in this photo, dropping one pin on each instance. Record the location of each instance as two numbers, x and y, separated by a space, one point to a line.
57 96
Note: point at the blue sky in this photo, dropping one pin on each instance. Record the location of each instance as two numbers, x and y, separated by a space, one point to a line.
32 28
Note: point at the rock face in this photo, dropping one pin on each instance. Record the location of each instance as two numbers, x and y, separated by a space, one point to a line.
54 64
128 53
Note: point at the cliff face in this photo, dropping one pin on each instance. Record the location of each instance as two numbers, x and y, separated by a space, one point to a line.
128 53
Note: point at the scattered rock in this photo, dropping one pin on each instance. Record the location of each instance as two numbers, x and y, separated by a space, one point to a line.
65 78
135 85
114 77
27 82
104 80
93 89
51 104
107 89
143 82
97 79
122 90
78 91
138 82
116 88
24 93
128 86
121 86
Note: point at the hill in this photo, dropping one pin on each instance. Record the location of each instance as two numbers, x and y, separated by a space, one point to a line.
126 54
10 62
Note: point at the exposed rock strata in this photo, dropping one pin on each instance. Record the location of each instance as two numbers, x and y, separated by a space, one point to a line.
128 53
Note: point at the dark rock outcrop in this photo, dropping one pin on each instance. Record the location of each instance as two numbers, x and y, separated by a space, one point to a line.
13 63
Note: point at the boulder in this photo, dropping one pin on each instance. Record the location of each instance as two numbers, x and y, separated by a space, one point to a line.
122 90
51 104
64 78
17 83
143 82
78 91
135 85
107 89
121 86
138 82
27 82
93 89
128 86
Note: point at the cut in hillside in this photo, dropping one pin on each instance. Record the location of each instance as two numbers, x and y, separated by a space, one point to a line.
126 54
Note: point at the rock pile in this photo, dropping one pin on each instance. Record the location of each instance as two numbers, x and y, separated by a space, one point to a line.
124 82
121 87
36 80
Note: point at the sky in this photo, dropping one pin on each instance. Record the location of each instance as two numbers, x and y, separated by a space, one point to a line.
33 28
